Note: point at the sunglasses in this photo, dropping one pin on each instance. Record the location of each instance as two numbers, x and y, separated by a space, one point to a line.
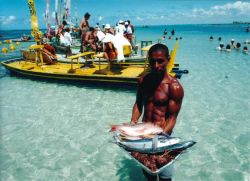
153 61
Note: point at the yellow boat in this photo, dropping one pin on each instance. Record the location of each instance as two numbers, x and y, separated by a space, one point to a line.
96 72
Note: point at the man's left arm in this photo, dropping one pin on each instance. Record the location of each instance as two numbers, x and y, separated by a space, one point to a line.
174 105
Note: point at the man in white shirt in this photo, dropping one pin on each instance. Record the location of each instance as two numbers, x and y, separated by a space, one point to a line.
128 33
120 28
66 42
67 37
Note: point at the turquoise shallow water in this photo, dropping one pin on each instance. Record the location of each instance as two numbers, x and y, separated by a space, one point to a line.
55 131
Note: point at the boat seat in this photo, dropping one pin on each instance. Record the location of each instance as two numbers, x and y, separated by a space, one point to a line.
77 56
99 55
81 55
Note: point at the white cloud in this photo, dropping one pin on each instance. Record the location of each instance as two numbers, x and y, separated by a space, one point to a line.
100 18
139 18
7 20
236 8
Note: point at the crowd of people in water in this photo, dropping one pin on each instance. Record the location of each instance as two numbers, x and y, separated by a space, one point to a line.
171 36
230 46
92 38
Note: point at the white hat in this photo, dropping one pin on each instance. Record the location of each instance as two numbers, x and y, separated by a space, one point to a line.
107 26
232 40
120 22
126 23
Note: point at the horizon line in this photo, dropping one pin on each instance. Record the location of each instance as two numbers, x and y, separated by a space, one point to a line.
232 23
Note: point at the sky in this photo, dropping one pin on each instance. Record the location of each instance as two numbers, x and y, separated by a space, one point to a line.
14 14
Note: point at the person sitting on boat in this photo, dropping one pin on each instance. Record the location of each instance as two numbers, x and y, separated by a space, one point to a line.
109 50
25 37
245 50
48 53
60 29
83 29
65 43
91 40
52 32
109 29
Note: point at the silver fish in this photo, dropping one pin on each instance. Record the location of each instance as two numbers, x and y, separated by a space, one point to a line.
158 144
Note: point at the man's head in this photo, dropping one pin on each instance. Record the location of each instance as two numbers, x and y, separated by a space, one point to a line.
87 15
67 29
64 23
158 56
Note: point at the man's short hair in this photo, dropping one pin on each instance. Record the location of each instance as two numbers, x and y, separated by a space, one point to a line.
87 15
159 47
64 23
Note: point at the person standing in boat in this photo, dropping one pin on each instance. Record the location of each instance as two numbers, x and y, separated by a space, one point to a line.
120 28
128 33
160 95
83 29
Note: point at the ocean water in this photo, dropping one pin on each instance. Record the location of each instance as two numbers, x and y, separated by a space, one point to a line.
55 131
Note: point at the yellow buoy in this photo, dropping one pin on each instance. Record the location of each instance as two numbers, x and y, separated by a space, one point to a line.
12 47
4 50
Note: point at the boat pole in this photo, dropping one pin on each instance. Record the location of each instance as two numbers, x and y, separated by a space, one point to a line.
35 30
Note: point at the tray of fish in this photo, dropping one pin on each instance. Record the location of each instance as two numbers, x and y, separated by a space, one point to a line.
147 144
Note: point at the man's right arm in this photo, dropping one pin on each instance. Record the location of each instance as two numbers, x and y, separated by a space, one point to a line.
137 108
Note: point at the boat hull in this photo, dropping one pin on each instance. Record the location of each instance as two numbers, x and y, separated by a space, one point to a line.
65 72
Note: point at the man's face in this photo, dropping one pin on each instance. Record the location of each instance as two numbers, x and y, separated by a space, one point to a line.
158 61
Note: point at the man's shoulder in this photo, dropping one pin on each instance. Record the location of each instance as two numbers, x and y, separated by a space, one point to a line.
176 89
168 79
